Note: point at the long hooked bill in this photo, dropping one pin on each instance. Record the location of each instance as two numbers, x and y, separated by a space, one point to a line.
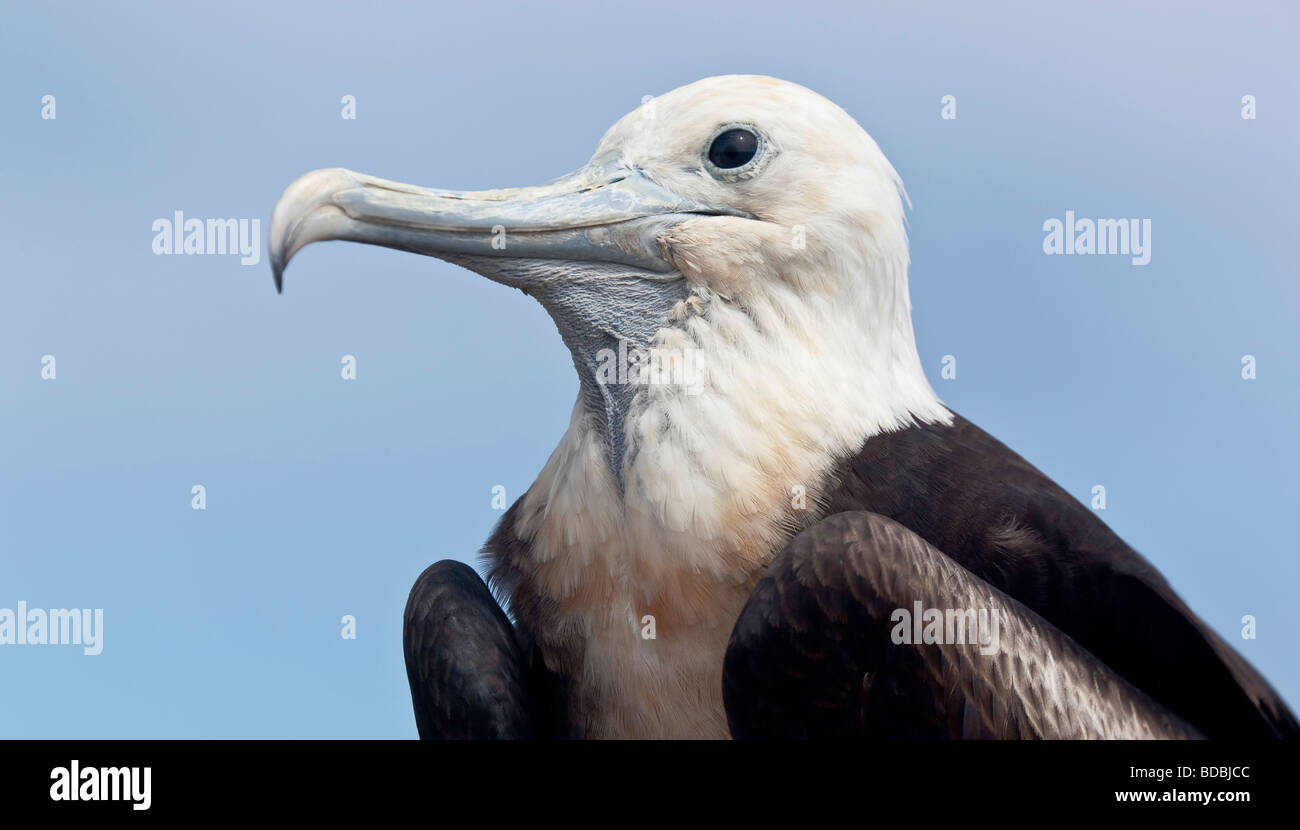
602 213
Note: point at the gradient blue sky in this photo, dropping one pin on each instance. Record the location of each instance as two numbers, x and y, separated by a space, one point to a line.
328 497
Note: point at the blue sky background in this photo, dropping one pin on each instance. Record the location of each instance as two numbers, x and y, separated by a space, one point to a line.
327 497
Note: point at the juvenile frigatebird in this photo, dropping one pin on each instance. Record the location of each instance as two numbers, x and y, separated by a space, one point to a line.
738 553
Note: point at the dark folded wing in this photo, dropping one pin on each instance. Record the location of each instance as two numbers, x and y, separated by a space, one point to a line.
816 652
997 516
468 677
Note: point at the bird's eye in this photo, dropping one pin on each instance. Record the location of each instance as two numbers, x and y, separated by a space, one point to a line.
734 148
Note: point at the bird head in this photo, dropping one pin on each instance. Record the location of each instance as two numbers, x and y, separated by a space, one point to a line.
743 218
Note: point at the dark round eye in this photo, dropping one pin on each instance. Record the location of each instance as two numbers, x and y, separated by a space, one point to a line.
734 148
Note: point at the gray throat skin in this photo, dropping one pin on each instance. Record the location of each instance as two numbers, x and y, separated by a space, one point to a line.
595 306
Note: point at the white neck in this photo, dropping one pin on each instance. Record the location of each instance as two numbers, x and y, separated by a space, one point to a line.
717 478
